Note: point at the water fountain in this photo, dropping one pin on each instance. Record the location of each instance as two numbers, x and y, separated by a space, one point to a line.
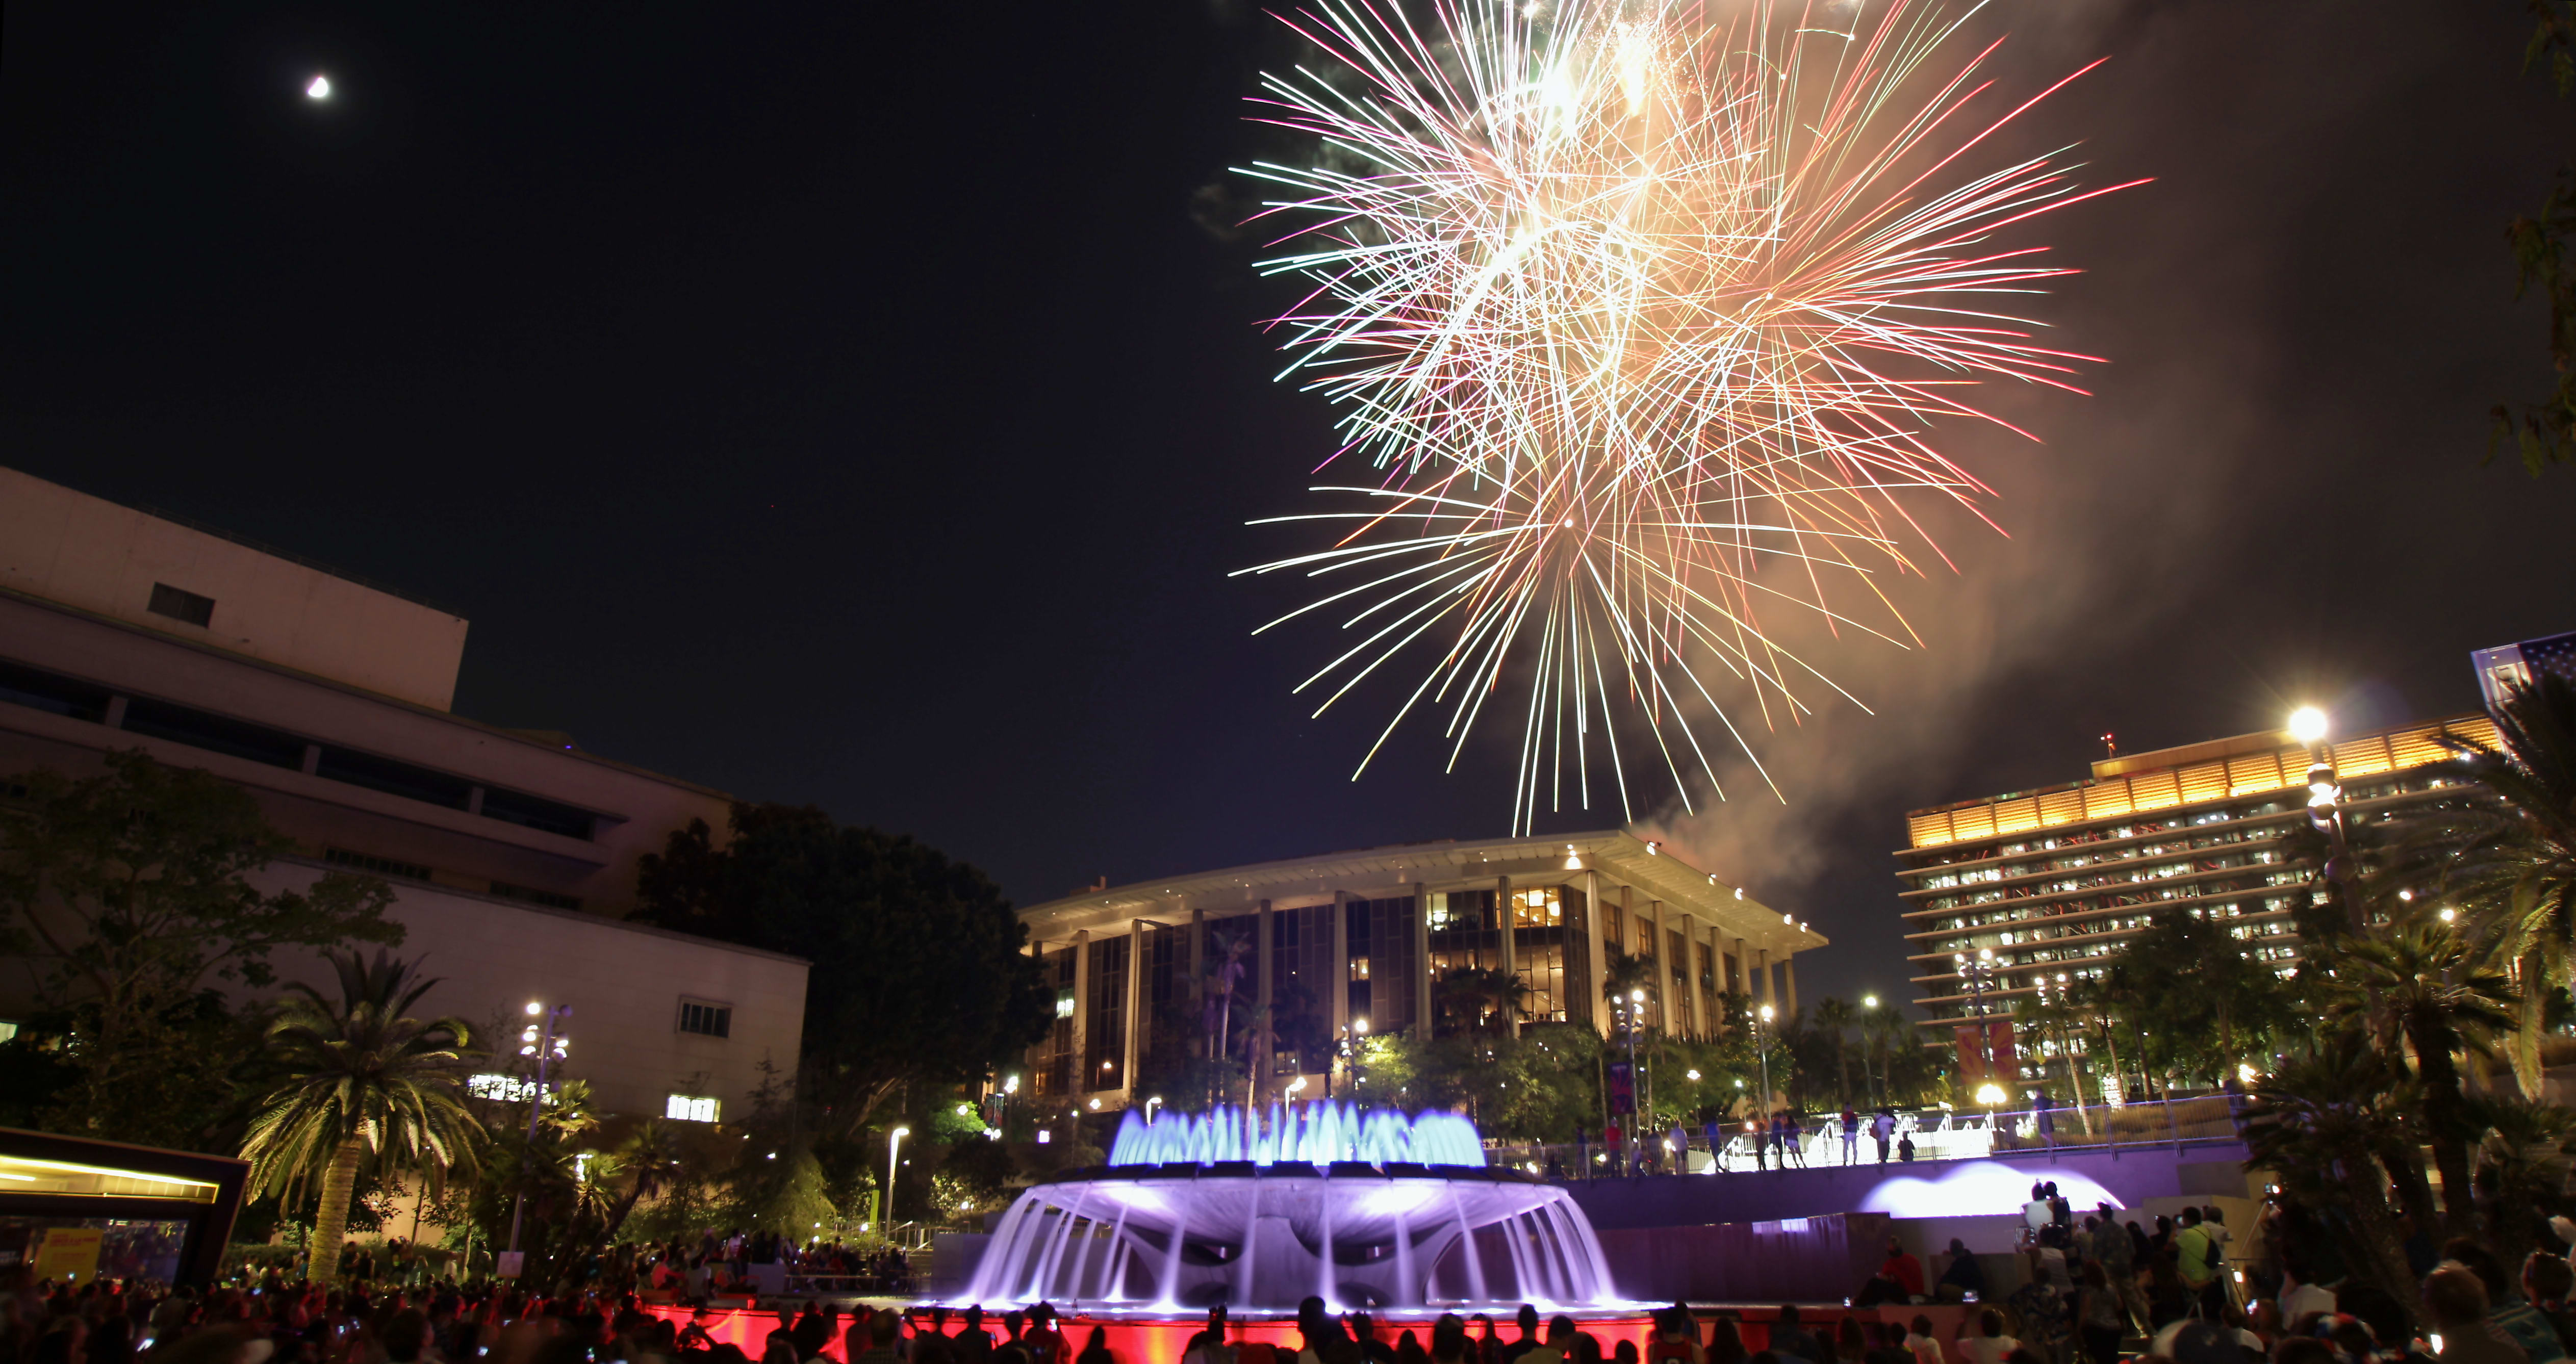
1260 1210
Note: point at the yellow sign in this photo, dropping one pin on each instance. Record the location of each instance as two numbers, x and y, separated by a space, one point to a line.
70 1254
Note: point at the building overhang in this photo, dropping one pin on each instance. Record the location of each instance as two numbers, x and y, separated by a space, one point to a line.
1615 856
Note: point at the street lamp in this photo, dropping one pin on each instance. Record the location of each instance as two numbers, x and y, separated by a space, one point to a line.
1762 1053
1869 1005
547 1045
2325 810
885 1206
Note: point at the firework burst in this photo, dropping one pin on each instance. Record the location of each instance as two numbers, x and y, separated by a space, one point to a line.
1642 319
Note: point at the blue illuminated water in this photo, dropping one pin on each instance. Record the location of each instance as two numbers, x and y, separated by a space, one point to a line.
1317 1133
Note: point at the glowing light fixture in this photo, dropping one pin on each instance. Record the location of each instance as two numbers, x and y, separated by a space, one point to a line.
318 88
2307 724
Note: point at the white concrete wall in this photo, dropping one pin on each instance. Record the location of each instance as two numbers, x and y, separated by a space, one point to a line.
624 984
87 552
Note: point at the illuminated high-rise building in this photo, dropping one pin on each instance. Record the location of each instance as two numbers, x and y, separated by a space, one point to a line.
2052 881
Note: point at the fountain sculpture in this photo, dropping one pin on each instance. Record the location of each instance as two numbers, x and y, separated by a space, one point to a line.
1258 1211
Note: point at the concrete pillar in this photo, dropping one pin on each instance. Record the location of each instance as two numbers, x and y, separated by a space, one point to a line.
1082 1081
1760 966
1340 1004
1421 964
1663 976
1789 973
1197 958
1596 963
1136 1003
1511 937
1698 991
1743 977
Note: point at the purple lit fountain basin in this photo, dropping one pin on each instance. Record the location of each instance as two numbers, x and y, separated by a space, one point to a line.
1147 1240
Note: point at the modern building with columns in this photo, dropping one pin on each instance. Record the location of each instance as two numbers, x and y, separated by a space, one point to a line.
1360 938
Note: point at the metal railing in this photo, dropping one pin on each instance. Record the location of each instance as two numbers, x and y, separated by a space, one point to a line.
1935 1135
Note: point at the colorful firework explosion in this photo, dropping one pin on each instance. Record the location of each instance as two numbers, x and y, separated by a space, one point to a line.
1643 318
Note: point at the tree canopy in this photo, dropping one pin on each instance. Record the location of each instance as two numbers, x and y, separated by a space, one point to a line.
131 893
919 970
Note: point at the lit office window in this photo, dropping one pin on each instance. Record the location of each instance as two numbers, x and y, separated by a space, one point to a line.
688 1108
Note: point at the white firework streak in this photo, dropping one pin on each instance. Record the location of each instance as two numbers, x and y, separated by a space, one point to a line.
1644 320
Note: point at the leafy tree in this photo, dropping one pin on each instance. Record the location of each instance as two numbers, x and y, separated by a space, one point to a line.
131 891
2217 1007
919 970
360 1077
2546 431
2504 857
2418 984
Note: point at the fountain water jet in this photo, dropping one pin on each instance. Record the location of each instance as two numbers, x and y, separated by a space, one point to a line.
1365 1209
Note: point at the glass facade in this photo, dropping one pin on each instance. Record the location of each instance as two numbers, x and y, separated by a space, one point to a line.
1052 1075
1375 959
1383 974
1105 1018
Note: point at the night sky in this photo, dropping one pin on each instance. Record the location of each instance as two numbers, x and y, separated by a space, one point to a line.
861 405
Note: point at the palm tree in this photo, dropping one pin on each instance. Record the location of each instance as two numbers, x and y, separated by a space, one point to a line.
360 1077
2334 1123
1485 998
2523 1165
2419 984
2505 858
2058 1019
1834 1019
1259 1035
1624 973
649 1155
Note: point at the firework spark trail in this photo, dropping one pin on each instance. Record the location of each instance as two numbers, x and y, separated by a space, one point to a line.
1645 320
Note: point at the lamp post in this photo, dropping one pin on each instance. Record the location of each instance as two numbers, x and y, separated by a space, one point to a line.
545 1045
885 1207
2309 726
1762 1053
1869 1007
1638 1106
1978 974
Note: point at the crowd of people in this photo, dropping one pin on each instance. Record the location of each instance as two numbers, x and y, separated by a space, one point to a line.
2087 1288
2093 1289
1777 1140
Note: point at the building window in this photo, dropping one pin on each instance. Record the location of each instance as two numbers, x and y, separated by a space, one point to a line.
60 695
376 866
535 897
533 812
180 605
395 778
689 1108
214 733
706 1020
505 1088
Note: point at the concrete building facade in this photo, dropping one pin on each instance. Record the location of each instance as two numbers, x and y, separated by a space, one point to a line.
1362 937
2051 882
512 854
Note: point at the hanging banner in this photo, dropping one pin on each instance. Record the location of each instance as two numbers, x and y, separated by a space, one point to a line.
1999 1039
1972 1055
1623 1092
